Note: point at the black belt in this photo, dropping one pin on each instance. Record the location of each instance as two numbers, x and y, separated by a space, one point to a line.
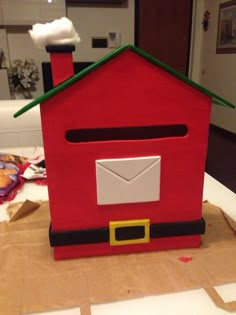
101 235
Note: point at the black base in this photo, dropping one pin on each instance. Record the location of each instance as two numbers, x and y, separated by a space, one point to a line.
101 235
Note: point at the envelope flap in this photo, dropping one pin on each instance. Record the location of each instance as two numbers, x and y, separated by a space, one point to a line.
128 168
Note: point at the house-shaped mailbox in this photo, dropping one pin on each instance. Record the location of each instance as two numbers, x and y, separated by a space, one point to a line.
125 145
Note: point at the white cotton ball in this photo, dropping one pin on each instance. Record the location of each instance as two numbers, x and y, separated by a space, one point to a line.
60 31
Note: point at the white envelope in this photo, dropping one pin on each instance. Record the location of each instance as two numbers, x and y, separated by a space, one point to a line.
128 180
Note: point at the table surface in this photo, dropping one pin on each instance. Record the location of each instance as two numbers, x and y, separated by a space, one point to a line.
176 303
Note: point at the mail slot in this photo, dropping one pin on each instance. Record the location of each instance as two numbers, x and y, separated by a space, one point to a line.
126 133
129 232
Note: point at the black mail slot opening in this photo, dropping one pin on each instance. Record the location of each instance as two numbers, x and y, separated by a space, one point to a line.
126 133
129 233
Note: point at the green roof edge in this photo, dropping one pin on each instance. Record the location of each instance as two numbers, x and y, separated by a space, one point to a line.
216 98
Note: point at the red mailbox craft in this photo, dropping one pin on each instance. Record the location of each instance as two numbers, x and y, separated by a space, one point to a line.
125 145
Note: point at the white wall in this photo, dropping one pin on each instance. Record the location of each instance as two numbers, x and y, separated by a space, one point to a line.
217 72
97 22
89 22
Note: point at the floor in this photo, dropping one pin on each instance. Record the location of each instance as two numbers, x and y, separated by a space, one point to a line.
221 157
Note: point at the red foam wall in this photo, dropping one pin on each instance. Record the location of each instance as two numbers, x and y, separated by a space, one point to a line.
126 91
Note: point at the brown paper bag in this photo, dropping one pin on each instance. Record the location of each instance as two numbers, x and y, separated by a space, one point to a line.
216 298
32 281
21 209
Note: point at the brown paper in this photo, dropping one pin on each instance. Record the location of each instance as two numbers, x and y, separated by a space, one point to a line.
216 298
20 210
32 281
8 308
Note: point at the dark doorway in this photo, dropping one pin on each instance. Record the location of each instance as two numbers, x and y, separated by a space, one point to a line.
163 29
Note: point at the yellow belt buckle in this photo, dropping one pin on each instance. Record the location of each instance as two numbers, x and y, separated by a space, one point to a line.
114 226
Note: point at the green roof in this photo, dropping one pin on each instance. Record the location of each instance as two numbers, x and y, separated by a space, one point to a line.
215 98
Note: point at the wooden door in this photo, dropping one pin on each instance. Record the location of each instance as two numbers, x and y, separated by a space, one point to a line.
163 29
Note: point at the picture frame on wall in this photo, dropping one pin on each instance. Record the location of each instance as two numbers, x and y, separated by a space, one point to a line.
226 35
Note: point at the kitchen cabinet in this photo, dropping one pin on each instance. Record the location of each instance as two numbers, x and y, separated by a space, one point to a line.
4 92
28 12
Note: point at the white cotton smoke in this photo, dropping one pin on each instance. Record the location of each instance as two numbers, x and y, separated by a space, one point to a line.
58 32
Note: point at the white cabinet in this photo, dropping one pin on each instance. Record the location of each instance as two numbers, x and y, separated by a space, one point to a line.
1 21
28 12
4 92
